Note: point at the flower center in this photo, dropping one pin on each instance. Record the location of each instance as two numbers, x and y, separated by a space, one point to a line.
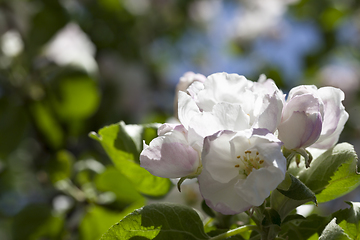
247 162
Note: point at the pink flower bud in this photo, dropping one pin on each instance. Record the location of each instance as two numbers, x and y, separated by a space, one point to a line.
302 118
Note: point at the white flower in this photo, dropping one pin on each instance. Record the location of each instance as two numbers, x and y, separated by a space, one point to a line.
261 101
240 169
170 155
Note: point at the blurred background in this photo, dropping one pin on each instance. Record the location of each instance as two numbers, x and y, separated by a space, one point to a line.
69 67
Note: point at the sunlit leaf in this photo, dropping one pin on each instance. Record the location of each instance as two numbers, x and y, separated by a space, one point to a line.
123 152
98 220
349 220
159 222
333 174
333 231
112 180
75 96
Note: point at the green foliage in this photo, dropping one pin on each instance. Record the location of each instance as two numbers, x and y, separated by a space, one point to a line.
46 110
47 124
290 194
332 231
37 221
13 124
123 149
60 167
111 180
160 222
331 175
349 220
300 228
72 91
98 220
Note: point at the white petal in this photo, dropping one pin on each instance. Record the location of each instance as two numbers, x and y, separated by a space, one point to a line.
224 116
269 116
222 87
221 197
217 158
187 108
258 185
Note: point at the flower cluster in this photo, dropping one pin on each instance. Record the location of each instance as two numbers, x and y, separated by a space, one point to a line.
232 132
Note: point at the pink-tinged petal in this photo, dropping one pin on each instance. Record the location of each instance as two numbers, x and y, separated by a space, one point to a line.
258 185
328 141
168 127
335 117
187 109
308 103
332 98
170 156
301 90
300 130
221 197
217 159
301 121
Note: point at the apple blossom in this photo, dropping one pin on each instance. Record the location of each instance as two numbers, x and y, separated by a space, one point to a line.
170 155
312 117
301 120
261 101
240 169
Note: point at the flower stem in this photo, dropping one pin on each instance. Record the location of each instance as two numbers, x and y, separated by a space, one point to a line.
235 231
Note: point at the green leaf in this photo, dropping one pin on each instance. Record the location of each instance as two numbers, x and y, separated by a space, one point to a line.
303 228
122 150
160 222
349 220
75 96
207 209
331 175
272 217
290 194
297 190
60 167
333 231
47 124
98 220
112 180
45 23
